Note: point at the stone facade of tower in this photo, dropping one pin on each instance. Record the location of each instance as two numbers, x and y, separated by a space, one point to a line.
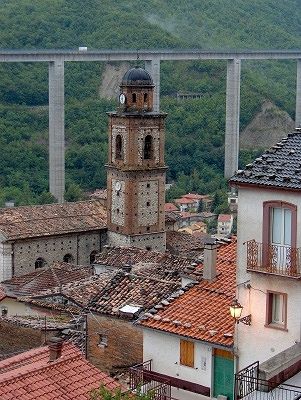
136 169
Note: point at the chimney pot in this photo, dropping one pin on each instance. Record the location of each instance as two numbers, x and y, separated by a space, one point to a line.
55 348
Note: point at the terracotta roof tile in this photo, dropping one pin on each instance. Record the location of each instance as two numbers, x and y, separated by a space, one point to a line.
52 219
196 196
202 312
185 244
225 218
59 273
30 376
170 207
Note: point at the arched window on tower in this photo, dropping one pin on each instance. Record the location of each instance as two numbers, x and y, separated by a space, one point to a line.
148 147
40 263
119 148
134 97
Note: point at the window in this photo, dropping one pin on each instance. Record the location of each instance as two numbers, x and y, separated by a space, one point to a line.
279 235
40 263
276 310
93 256
68 258
145 97
103 340
148 148
4 311
134 98
187 353
119 148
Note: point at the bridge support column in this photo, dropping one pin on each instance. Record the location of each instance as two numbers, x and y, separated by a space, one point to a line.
298 96
56 130
153 67
232 117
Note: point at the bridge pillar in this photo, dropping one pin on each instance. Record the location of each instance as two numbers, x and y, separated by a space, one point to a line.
232 117
56 130
153 67
298 96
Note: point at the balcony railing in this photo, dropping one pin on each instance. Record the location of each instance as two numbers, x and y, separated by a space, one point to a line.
249 386
273 259
143 379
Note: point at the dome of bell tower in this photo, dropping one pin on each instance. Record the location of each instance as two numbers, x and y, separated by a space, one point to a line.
137 77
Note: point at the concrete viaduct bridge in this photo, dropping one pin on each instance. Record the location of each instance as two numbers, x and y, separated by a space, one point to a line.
152 58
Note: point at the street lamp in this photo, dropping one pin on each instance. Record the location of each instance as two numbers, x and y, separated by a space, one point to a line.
236 310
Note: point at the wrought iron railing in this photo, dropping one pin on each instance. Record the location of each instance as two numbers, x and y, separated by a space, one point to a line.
249 386
274 259
144 380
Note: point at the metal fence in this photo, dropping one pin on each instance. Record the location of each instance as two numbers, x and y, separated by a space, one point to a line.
249 386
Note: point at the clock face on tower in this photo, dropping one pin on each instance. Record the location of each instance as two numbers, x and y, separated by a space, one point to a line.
122 98
117 186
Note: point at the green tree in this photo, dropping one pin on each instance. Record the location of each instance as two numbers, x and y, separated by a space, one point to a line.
104 394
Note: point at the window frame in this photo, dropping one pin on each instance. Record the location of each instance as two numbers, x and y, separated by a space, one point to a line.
187 350
269 323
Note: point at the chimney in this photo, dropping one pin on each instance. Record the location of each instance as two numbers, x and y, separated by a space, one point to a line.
55 348
210 255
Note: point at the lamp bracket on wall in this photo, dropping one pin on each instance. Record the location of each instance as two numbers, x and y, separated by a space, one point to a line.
245 320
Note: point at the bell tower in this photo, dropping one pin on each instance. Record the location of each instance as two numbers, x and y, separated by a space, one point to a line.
136 169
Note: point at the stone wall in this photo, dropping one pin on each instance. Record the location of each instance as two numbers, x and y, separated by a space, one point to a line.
78 245
113 343
153 241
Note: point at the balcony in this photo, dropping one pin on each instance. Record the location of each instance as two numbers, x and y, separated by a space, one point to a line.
159 385
274 259
249 386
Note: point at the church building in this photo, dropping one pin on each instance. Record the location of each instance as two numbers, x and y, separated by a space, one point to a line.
33 237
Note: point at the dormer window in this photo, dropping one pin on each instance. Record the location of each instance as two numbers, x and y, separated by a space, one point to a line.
148 148
119 148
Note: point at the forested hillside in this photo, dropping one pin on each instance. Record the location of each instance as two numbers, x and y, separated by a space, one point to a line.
195 128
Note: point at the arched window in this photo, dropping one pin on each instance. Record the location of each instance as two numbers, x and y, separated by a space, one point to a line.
145 97
68 258
40 263
134 97
119 148
148 148
93 256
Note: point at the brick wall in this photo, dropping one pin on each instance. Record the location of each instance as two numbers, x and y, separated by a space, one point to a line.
16 339
124 343
54 248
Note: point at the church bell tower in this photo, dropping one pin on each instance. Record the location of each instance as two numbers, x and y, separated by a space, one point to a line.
136 169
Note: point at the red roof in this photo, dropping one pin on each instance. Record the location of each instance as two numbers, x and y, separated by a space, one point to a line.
184 201
31 376
202 312
225 218
170 207
195 196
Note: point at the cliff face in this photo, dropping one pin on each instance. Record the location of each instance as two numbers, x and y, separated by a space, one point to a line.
267 128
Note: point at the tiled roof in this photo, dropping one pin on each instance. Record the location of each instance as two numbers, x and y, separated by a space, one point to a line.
30 376
172 216
52 219
184 244
183 200
119 256
59 273
134 289
278 167
170 207
195 196
225 218
202 312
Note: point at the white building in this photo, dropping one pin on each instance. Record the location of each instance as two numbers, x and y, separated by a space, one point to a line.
269 270
224 224
189 338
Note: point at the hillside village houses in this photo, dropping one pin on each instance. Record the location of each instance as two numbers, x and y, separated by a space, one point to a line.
191 344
